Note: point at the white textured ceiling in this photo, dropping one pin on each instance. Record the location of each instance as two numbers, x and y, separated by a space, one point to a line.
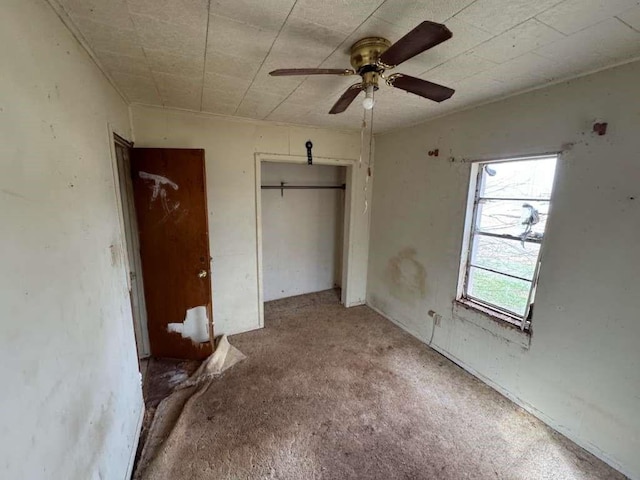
215 55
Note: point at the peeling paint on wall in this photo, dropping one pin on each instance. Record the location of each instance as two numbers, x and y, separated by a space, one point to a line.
195 326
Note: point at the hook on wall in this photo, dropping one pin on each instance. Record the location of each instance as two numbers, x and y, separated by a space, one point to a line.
309 146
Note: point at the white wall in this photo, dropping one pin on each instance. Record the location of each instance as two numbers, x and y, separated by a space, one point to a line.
71 398
230 146
581 372
301 230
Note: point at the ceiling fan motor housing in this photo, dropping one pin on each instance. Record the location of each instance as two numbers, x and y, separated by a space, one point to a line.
365 54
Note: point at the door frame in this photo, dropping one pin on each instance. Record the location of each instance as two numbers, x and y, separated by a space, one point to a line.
140 319
349 217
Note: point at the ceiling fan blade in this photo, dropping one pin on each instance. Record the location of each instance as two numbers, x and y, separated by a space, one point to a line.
425 36
425 89
284 72
347 97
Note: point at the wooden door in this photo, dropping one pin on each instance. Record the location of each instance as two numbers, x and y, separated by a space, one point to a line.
171 209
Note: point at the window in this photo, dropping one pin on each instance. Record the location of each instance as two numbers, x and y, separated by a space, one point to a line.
509 203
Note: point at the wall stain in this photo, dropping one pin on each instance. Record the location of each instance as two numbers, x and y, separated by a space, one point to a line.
115 254
405 277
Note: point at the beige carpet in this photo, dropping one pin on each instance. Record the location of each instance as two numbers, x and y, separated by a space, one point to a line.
330 393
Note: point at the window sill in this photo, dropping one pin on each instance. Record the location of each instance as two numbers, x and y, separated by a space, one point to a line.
497 324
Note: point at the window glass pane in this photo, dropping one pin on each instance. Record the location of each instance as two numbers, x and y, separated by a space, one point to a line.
519 179
510 217
506 256
508 293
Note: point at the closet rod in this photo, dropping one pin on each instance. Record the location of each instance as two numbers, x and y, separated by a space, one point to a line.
302 187
282 187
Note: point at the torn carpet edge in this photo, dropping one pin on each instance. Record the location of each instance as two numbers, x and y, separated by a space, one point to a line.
224 357
170 409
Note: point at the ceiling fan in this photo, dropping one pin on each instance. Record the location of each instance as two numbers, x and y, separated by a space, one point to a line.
372 56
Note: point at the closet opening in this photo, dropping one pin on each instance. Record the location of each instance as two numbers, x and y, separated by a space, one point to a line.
304 221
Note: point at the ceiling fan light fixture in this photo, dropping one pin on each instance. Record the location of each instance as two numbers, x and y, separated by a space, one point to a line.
368 102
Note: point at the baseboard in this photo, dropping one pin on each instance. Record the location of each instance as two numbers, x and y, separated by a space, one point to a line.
357 303
136 441
594 450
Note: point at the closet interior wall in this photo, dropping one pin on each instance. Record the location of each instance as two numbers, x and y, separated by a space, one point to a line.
302 228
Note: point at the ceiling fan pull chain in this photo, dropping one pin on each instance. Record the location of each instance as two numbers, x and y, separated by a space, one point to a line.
370 144
368 174
362 144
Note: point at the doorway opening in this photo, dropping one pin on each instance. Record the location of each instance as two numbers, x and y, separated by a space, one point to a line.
304 226
163 213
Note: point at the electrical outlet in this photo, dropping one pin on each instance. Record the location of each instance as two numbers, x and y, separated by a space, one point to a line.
436 319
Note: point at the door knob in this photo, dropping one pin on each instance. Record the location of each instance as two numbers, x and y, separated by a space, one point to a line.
202 273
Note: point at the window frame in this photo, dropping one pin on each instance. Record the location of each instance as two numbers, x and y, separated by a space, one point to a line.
471 229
